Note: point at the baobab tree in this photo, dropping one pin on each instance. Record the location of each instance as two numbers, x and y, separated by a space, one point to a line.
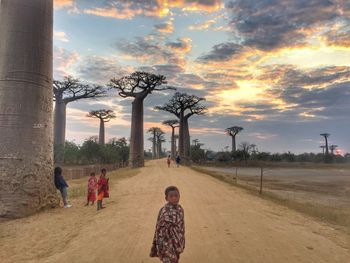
68 90
326 135
233 131
322 147
26 156
104 116
333 148
160 139
173 124
153 131
138 85
183 106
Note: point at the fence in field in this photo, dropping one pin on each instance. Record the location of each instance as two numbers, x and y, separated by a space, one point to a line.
326 186
76 172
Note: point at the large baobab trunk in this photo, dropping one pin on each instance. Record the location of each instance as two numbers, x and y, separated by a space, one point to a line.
101 136
159 148
233 143
154 146
327 149
173 143
60 122
181 135
136 157
175 146
187 142
26 177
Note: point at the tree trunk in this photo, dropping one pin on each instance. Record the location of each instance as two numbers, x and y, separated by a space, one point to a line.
101 136
173 143
159 152
154 145
175 146
181 135
327 150
26 177
233 143
60 122
136 157
187 142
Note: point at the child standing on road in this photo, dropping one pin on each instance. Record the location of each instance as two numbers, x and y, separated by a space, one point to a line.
102 191
169 236
92 187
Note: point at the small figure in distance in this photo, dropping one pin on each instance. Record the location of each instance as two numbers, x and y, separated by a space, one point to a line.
169 161
178 160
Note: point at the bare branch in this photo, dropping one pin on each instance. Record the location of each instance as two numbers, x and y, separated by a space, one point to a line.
71 89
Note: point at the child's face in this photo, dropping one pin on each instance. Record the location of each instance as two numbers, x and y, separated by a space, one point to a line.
173 197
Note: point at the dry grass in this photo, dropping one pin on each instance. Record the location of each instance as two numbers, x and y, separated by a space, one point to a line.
329 214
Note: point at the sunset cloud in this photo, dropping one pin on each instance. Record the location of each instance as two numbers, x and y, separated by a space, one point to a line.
60 36
63 3
277 68
269 25
122 9
202 26
63 62
165 27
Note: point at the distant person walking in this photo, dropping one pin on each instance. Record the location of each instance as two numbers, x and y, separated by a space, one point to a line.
169 161
61 185
92 187
103 189
178 160
169 237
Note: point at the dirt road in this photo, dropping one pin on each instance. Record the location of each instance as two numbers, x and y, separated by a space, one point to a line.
223 224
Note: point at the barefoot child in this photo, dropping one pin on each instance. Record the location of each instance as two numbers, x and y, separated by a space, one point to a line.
169 237
92 187
102 191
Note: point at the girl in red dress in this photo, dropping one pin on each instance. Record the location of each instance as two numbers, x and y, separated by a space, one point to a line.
92 187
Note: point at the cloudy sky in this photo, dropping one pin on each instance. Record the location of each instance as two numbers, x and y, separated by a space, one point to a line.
278 68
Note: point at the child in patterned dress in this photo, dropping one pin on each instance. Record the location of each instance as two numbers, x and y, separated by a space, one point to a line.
169 237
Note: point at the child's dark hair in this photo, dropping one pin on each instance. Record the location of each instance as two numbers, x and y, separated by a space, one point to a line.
103 170
58 171
170 189
92 174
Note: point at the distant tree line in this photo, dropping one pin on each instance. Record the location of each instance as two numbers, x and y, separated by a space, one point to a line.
241 155
247 152
91 152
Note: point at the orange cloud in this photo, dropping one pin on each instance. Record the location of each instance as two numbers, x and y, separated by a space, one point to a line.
159 8
202 26
63 3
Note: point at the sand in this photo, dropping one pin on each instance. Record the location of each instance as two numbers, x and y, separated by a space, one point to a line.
223 224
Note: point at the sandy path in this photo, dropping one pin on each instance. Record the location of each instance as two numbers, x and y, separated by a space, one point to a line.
223 224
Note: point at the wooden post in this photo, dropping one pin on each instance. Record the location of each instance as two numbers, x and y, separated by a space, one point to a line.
261 180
